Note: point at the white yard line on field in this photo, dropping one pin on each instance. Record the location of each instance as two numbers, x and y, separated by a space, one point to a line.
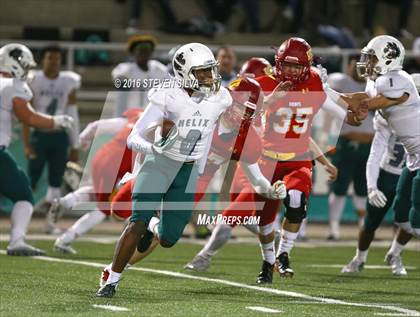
414 245
403 311
263 309
369 267
111 307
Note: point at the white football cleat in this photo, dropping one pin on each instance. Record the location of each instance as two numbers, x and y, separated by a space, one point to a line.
63 247
198 264
354 266
24 249
397 267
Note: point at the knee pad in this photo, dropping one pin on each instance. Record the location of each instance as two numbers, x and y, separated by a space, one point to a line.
266 230
295 203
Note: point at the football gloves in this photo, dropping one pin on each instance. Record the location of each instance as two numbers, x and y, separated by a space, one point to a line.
62 122
377 198
166 142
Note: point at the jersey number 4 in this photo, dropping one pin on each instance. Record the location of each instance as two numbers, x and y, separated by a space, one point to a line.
292 121
52 107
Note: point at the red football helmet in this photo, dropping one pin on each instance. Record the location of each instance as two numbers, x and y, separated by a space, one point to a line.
293 51
256 67
247 100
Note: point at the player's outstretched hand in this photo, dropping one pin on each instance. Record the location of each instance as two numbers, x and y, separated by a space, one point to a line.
332 172
29 152
377 198
278 93
63 122
362 111
283 86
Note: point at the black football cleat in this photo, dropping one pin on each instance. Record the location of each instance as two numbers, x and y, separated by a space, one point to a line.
107 290
266 274
284 265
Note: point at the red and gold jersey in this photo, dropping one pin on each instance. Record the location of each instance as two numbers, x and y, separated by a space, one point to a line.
288 122
244 146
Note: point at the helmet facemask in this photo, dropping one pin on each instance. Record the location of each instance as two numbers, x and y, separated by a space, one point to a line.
366 67
239 113
285 71
202 82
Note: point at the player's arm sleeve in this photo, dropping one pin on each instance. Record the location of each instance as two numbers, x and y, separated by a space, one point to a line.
73 111
391 91
136 140
333 108
256 177
252 147
99 127
377 150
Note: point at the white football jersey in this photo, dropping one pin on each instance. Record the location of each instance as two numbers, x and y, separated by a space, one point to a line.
130 70
195 120
393 159
403 119
51 95
10 88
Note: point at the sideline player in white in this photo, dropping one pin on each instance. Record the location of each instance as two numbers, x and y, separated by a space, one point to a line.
350 157
392 92
54 93
382 180
169 165
130 78
15 62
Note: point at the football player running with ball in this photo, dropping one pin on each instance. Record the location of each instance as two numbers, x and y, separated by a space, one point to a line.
169 172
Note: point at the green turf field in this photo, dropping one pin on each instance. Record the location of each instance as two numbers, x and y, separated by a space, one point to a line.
36 287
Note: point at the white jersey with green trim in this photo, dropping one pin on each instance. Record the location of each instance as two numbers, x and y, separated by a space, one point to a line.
393 160
10 88
403 119
51 95
195 119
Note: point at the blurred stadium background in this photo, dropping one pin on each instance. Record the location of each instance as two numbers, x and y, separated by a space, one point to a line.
93 35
